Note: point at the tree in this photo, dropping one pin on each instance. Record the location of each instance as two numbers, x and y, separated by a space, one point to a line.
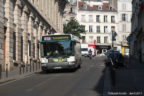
73 27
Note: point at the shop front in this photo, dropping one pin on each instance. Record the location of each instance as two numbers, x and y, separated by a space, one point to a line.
125 49
101 49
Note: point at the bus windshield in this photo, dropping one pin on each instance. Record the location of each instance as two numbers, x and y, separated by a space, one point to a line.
57 48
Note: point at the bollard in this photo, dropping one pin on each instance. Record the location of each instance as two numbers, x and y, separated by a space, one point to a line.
30 65
23 69
36 64
0 71
39 65
26 68
6 70
20 70
33 66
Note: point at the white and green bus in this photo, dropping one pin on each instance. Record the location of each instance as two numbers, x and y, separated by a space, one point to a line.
60 52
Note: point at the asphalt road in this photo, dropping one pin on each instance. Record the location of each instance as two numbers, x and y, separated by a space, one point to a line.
86 81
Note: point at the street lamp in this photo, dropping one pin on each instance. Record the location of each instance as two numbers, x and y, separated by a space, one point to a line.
112 40
114 34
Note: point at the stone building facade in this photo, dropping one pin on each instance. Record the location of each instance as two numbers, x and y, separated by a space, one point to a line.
124 9
70 11
113 4
99 21
137 35
1 33
25 21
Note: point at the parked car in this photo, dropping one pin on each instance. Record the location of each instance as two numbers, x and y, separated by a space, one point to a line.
116 57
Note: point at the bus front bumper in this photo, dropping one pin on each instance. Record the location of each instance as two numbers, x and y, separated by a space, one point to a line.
62 65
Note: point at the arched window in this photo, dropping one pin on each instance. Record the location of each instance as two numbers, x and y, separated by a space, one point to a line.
29 48
14 45
21 48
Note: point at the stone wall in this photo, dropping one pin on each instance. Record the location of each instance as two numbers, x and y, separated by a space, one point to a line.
25 24
1 33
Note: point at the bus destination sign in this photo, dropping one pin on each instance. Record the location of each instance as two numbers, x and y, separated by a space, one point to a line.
56 37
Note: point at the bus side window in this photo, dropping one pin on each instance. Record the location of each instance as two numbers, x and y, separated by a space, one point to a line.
73 44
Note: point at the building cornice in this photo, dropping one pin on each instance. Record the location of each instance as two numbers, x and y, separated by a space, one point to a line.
34 11
96 11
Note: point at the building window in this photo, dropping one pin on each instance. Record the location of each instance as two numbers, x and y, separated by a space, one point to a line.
83 27
105 18
124 37
4 2
110 8
29 48
64 20
21 48
124 27
90 18
99 7
83 18
90 28
97 18
124 17
14 45
112 19
98 39
90 39
72 10
83 39
34 50
123 7
84 7
98 29
71 1
105 39
105 29
38 50
26 23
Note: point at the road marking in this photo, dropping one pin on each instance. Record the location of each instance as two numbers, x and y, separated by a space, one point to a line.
102 65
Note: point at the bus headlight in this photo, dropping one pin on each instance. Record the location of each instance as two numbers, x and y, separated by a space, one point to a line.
44 60
71 60
72 63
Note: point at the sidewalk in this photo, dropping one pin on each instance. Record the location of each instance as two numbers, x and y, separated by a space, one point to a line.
129 81
19 73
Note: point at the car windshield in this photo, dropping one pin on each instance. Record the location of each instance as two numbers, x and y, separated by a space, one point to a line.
57 48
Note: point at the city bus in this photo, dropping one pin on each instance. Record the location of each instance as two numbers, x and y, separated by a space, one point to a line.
60 52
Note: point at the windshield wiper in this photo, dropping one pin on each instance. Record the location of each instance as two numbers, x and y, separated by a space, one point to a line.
48 56
65 56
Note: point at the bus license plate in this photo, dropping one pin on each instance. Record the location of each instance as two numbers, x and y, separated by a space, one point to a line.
57 67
